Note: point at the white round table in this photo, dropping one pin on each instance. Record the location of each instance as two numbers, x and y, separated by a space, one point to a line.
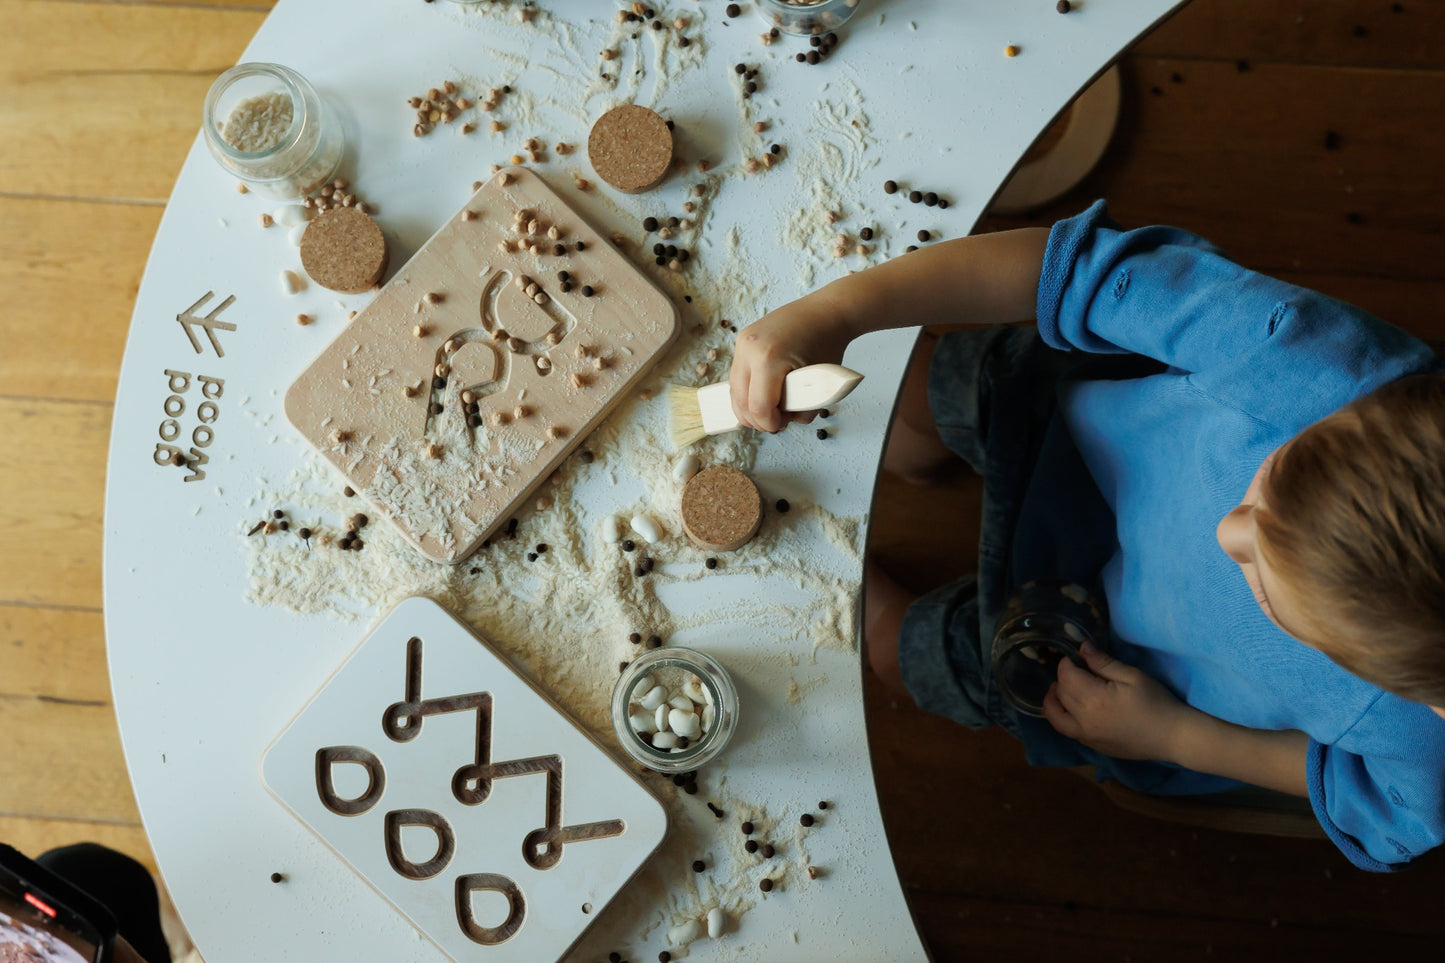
919 91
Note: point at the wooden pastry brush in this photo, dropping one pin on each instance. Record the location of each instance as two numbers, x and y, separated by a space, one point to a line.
695 413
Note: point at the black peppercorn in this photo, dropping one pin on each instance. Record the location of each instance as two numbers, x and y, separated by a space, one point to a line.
628 545
806 819
698 866
751 845
710 563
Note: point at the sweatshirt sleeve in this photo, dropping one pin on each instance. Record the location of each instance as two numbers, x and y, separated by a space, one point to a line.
1382 800
1246 339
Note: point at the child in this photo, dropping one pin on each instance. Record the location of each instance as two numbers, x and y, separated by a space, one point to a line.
1251 475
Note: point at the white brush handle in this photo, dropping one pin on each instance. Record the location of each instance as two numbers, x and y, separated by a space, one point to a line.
804 389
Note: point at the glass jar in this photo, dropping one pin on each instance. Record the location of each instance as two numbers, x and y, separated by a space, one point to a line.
807 18
246 128
717 689
1044 624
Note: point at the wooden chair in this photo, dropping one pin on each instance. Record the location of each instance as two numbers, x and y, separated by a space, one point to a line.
1249 810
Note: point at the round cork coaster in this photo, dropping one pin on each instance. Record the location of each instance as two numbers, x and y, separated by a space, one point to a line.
721 509
630 147
344 250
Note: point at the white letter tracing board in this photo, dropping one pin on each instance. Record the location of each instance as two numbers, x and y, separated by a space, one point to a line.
461 794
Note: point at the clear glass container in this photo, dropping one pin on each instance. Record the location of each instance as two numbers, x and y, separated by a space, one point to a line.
718 689
804 18
1042 625
274 158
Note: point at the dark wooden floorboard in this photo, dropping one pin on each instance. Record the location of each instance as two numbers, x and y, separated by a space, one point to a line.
1225 121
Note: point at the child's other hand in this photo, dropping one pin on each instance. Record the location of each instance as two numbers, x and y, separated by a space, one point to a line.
1114 708
808 331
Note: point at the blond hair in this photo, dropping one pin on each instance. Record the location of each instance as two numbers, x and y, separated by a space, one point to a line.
1353 520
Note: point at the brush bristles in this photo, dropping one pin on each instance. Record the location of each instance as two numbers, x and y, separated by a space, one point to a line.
684 416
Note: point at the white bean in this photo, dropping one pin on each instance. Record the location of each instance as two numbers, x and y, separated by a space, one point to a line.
715 922
644 684
611 529
660 716
693 690
680 702
295 235
655 697
708 715
664 740
683 933
290 215
684 723
1074 632
291 282
685 467
647 527
642 722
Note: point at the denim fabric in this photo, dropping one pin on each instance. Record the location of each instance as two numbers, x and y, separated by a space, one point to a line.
993 395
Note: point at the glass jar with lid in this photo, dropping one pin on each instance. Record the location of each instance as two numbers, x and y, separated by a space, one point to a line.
1045 623
674 709
268 126
807 17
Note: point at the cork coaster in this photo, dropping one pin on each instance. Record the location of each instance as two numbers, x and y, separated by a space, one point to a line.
344 250
630 148
721 509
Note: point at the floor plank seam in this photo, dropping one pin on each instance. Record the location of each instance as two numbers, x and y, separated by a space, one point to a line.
52 699
82 199
194 5
90 402
57 606
91 820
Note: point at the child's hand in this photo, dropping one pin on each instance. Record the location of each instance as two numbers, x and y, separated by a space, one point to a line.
1115 708
808 331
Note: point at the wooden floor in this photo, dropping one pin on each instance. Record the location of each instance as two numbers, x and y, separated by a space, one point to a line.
1305 138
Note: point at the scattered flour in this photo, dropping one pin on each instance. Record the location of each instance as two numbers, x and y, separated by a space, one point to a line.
564 618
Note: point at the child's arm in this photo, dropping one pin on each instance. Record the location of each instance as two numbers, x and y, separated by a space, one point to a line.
985 279
1122 712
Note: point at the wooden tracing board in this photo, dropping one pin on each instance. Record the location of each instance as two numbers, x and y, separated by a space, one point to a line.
384 401
461 794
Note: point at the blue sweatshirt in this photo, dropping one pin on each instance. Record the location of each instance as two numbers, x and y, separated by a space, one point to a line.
1251 362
